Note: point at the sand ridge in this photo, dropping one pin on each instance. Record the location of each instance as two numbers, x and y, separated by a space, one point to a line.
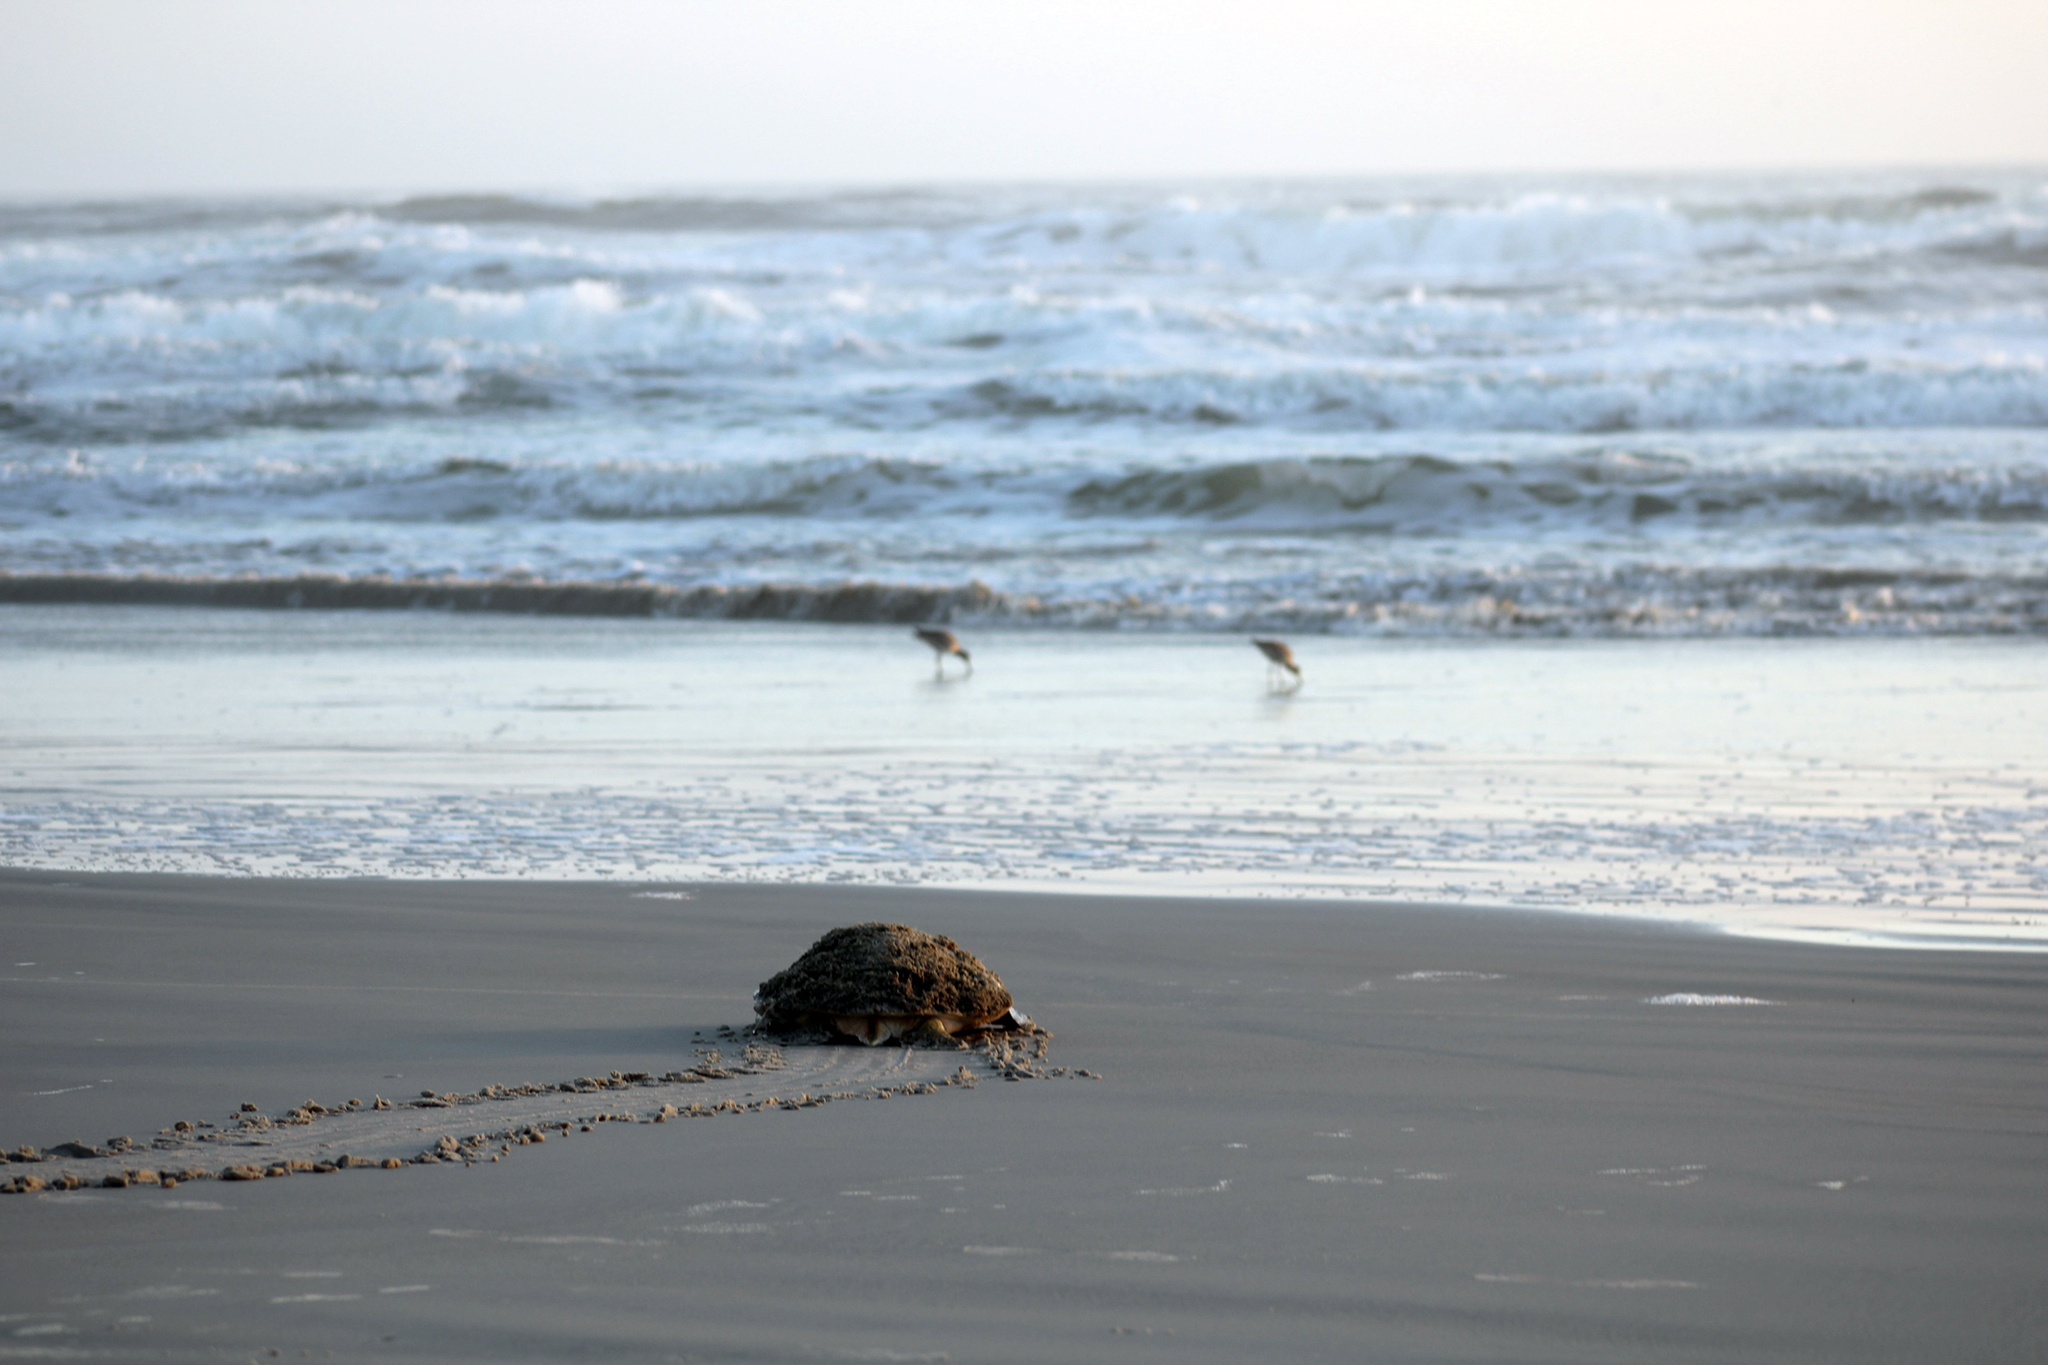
488 1124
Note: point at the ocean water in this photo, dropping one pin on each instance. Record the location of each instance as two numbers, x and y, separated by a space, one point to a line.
1866 791
1698 406
1670 547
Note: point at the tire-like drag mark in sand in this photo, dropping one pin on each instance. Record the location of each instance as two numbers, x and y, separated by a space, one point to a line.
492 1122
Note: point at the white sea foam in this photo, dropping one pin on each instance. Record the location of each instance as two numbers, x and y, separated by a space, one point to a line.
1449 976
1695 998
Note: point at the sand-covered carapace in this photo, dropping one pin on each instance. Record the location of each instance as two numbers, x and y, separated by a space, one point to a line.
879 981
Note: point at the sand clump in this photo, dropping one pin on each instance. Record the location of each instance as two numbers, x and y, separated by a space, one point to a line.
876 981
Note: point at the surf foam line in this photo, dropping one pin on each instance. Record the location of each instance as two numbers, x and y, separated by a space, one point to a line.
1628 601
493 1122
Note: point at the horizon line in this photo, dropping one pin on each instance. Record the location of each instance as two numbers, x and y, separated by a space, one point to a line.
793 185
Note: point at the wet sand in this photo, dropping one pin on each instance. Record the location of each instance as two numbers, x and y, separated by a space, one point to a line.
1323 1131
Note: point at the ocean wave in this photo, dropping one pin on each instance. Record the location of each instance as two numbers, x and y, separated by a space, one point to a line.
1604 307
844 210
1595 488
1539 233
1144 406
1600 487
1723 393
843 602
1640 601
1716 393
1435 232
1303 227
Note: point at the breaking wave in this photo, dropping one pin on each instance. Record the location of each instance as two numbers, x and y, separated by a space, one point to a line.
319 396
1613 306
1600 487
1304 227
1638 601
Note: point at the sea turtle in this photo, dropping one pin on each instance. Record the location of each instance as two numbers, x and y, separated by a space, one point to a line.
880 981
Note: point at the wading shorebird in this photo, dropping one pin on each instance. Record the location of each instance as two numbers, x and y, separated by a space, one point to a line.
1278 656
944 642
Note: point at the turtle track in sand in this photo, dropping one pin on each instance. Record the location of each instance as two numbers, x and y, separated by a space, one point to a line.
496 1120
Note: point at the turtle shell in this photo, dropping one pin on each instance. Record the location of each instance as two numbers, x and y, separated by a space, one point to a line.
876 981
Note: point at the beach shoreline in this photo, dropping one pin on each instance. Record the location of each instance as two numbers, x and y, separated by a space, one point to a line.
1322 1128
458 645
1857 791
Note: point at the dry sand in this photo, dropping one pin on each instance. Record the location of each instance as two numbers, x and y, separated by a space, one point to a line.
1321 1132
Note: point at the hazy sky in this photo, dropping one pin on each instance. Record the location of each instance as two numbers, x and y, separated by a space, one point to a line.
171 95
